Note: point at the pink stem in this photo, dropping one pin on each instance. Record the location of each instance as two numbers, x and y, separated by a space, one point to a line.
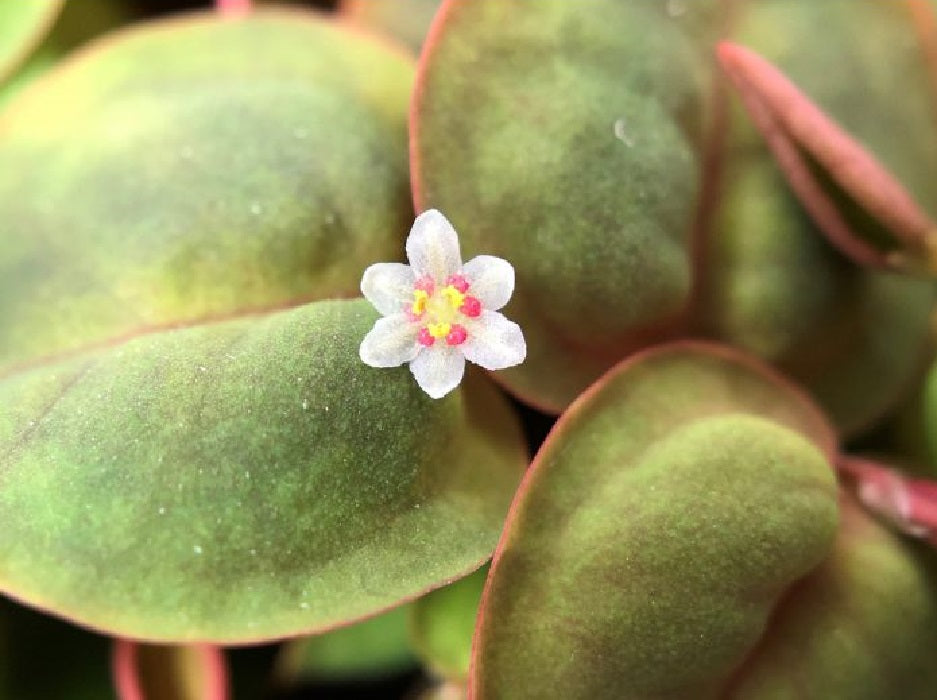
233 7
911 504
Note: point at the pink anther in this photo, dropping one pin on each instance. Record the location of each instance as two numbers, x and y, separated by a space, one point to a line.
459 282
457 335
471 307
424 338
426 284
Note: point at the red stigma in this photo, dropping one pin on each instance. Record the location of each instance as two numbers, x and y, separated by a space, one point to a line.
457 335
471 307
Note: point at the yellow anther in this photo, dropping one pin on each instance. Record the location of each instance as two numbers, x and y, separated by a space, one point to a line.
453 296
438 330
420 298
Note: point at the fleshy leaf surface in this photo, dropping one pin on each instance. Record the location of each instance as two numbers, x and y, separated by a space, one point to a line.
442 623
373 647
77 24
862 625
245 480
189 179
22 25
772 285
404 20
575 160
662 520
857 141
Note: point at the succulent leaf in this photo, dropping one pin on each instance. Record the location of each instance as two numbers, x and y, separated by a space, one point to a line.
373 647
404 20
442 623
22 25
577 160
862 625
863 183
245 480
856 338
151 201
664 518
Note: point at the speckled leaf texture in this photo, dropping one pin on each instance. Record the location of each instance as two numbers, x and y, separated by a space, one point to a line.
373 648
678 536
244 196
405 20
441 625
22 25
551 137
190 452
858 338
876 86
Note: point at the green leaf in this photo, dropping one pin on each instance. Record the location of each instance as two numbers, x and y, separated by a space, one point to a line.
862 625
404 20
877 78
565 138
188 179
169 672
670 510
442 623
78 23
245 480
855 337
374 647
22 25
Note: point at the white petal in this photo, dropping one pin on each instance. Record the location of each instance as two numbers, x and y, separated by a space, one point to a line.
390 343
433 247
438 369
494 342
389 286
491 280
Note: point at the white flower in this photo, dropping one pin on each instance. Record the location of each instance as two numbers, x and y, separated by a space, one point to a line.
438 313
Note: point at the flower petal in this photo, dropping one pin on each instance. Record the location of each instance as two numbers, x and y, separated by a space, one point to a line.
438 370
390 343
494 342
389 286
491 280
433 247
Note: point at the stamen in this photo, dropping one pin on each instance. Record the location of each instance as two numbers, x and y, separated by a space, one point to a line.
426 284
453 296
457 335
471 307
424 338
459 282
438 330
420 297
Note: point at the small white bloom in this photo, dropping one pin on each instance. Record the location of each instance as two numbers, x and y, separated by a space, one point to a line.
439 312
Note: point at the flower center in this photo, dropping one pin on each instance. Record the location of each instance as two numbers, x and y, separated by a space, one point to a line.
439 310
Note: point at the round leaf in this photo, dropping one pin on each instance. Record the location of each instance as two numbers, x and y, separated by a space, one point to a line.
856 338
442 623
22 24
370 648
662 520
862 625
197 172
245 480
576 160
